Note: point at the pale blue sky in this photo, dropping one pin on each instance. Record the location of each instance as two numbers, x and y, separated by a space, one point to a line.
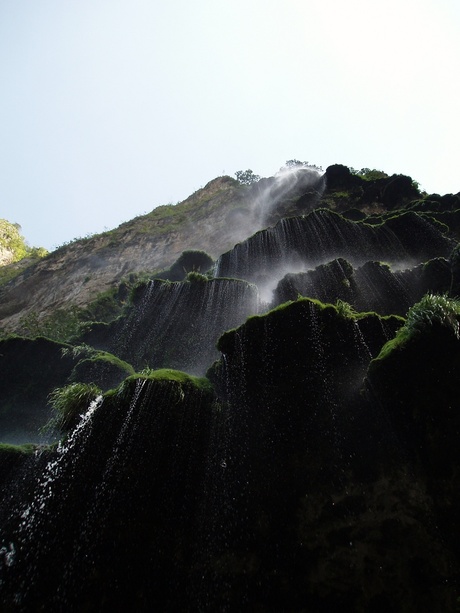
109 108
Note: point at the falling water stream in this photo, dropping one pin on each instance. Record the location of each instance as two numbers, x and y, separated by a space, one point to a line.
167 495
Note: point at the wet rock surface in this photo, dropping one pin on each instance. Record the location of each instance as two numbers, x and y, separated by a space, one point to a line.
315 467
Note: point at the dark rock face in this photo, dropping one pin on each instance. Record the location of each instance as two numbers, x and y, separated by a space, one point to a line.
323 235
30 370
284 495
422 404
370 287
177 325
393 192
398 189
114 520
325 471
339 176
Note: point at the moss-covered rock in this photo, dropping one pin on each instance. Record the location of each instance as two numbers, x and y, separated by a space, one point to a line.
328 498
176 325
101 368
188 261
374 286
305 242
129 484
416 381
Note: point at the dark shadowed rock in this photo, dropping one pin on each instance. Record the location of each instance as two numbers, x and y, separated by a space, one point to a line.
30 370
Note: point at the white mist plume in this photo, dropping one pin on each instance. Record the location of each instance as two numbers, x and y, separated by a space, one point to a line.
289 182
269 199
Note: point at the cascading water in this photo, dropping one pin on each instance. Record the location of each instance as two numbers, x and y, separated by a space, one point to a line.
280 487
30 528
177 324
98 522
370 287
323 235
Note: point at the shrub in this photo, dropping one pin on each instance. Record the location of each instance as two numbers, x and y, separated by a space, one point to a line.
196 277
12 243
431 310
345 309
70 402
190 261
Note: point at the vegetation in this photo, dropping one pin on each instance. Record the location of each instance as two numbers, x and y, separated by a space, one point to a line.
176 382
196 277
191 260
345 309
298 164
369 174
11 241
431 310
62 325
66 324
70 402
246 177
13 244
15 254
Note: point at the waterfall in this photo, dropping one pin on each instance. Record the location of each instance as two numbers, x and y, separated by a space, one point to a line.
33 534
273 451
177 324
374 286
145 475
323 235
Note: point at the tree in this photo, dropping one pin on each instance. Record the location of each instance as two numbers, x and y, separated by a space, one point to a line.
293 163
190 261
12 244
246 177
370 174
298 164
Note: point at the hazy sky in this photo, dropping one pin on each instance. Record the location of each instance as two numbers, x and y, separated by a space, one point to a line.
109 108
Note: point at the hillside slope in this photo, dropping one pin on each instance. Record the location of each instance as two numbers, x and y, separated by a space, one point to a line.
212 219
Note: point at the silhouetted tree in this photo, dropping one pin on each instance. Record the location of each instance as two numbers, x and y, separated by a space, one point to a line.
246 177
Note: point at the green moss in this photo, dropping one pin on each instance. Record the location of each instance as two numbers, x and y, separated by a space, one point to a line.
254 321
17 450
168 374
105 356
177 385
196 277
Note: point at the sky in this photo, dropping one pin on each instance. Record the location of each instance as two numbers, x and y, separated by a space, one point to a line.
109 108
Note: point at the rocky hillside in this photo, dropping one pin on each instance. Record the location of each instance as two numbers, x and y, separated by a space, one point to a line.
213 220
